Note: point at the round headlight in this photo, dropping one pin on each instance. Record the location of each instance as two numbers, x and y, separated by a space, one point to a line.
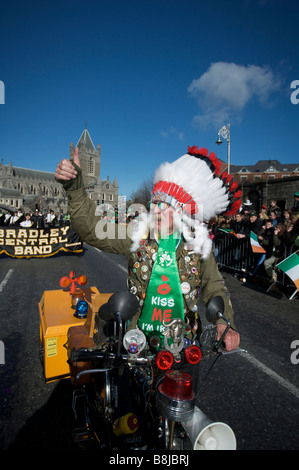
134 341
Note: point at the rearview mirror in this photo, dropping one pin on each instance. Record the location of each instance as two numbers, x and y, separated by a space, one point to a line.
214 308
123 302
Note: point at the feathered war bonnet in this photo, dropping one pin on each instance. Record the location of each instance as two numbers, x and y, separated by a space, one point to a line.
194 186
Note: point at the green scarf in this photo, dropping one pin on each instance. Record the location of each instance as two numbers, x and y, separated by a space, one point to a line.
164 299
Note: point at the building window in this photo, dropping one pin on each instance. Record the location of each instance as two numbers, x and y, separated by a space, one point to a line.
91 166
271 168
111 197
243 178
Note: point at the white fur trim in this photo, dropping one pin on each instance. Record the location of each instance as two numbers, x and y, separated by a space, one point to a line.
198 239
139 229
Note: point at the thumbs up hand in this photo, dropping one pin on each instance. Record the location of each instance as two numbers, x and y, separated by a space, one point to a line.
76 157
65 169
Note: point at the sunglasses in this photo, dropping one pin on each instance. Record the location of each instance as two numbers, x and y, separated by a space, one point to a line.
161 205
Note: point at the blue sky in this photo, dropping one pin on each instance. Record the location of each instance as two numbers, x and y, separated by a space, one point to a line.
150 78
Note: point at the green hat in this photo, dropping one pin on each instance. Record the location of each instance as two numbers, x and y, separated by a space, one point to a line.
296 194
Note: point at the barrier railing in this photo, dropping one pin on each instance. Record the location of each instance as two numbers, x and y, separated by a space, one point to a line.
237 255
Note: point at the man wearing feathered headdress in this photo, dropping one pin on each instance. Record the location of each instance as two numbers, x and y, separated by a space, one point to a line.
169 251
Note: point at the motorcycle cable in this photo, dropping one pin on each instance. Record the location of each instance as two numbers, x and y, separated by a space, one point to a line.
208 373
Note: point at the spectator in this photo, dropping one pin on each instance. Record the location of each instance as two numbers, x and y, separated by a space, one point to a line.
265 237
263 213
287 218
67 219
247 206
256 223
274 207
240 227
292 233
274 216
224 222
295 207
212 227
277 252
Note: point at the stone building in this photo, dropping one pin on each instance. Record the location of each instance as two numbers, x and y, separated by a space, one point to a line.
268 180
264 191
22 188
264 170
101 191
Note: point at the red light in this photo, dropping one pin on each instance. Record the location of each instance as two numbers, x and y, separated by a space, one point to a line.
193 354
177 385
164 360
82 280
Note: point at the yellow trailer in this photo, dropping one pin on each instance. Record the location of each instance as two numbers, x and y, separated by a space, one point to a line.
58 323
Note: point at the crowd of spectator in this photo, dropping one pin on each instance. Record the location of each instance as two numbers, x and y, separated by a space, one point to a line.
119 215
34 219
277 230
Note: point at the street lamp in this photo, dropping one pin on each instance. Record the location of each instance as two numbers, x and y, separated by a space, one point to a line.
225 133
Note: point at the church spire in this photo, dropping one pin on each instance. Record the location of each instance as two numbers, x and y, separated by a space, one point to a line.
86 139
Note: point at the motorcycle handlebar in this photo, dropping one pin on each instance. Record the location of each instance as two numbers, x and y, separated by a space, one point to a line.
86 355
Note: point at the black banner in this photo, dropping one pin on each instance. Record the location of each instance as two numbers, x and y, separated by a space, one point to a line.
19 242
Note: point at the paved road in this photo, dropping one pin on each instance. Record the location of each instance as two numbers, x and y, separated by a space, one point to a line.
255 393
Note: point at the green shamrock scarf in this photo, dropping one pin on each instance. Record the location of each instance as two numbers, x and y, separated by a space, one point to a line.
164 300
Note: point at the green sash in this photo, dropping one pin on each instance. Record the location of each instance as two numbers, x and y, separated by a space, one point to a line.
164 299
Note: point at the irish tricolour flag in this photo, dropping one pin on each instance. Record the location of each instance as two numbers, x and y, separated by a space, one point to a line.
290 266
256 247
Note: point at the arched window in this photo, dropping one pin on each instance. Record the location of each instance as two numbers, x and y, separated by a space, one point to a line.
91 166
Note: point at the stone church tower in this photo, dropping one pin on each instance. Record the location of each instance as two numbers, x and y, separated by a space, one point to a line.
21 188
103 192
90 159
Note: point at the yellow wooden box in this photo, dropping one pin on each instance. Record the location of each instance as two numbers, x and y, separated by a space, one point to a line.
56 317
